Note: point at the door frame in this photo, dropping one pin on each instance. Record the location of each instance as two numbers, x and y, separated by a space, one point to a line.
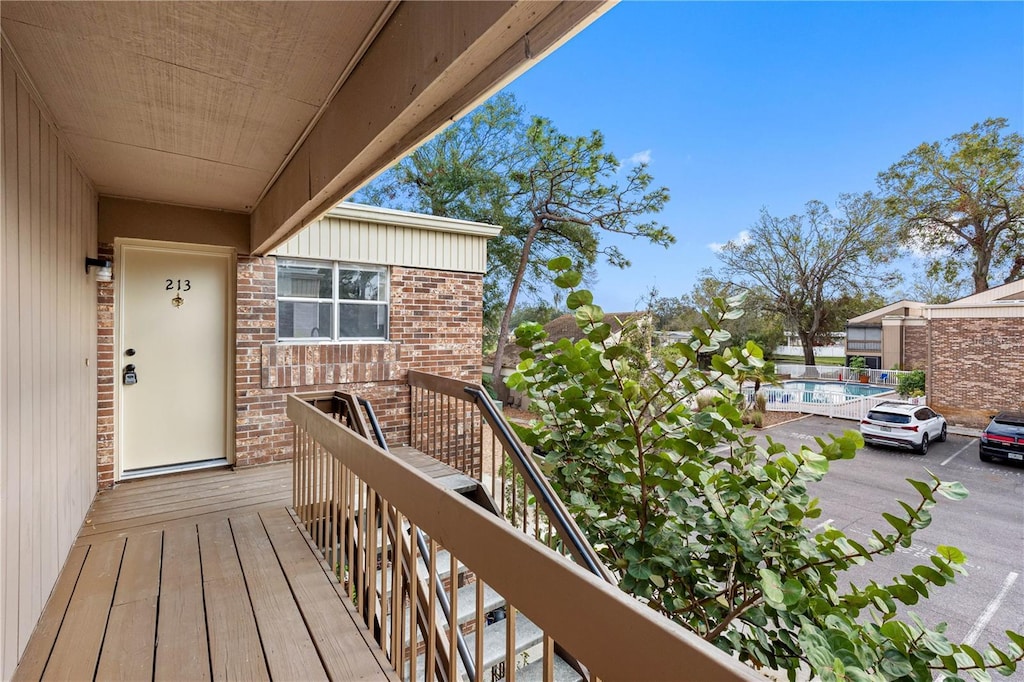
231 267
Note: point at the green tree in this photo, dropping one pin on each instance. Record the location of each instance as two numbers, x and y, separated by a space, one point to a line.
761 324
804 264
670 313
963 198
541 313
463 172
571 190
712 530
549 192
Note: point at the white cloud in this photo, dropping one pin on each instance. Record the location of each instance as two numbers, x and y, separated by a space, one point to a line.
641 157
739 240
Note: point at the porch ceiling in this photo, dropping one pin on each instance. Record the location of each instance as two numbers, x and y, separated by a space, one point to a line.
276 109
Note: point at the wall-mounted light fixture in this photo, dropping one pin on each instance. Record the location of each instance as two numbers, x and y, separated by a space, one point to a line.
104 272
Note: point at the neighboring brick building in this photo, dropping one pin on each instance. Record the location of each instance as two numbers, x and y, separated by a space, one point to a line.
972 350
365 295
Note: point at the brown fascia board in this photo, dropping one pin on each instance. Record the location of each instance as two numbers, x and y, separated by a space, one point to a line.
118 217
431 63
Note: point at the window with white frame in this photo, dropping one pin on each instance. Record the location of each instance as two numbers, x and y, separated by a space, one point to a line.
325 301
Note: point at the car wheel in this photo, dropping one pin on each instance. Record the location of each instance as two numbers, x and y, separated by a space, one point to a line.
942 434
923 447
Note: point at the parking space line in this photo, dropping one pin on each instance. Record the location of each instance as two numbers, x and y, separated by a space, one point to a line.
990 610
948 459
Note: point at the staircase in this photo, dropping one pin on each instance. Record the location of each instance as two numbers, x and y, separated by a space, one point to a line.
396 533
480 611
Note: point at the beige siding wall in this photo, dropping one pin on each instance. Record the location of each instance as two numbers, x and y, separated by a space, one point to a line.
47 361
367 242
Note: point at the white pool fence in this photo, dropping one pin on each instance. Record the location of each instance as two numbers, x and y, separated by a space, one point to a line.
877 377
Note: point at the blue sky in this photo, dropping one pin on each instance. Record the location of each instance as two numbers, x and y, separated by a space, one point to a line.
743 105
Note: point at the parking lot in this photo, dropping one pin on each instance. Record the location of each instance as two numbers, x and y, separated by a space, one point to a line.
988 526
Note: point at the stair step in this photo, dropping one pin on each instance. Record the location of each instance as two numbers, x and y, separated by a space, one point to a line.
534 671
527 635
467 602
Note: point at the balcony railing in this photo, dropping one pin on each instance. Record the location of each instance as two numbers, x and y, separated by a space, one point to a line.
364 503
455 422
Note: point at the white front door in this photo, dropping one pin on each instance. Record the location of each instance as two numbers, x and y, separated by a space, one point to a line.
173 355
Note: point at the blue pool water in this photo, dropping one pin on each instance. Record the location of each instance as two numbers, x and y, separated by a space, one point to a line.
823 391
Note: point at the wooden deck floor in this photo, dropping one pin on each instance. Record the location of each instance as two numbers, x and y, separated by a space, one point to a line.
198 576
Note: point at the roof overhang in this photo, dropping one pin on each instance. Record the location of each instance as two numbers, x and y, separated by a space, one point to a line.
275 110
905 308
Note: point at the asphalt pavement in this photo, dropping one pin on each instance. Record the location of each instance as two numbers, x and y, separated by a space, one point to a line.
988 526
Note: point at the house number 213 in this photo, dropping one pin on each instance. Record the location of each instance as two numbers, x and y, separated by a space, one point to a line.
178 285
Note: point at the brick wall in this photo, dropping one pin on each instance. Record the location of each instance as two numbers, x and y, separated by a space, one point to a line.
976 368
915 347
435 326
105 376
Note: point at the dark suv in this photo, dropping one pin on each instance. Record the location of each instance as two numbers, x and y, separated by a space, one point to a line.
1003 438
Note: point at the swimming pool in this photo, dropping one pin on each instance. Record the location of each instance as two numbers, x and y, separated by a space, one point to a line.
823 391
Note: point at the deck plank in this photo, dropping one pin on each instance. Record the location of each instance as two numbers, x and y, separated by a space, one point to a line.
182 651
287 646
77 648
169 520
235 649
183 502
158 591
128 500
37 653
339 637
131 628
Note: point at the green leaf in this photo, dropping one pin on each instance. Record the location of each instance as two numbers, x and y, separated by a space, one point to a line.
771 588
976 657
560 263
568 279
923 489
899 524
954 490
951 554
931 575
615 352
578 298
599 332
793 592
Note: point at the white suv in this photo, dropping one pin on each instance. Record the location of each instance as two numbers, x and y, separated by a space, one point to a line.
903 425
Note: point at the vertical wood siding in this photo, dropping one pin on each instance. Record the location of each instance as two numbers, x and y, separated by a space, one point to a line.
48 393
379 243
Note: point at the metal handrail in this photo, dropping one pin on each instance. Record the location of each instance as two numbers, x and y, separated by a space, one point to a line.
374 424
566 526
540 486
425 551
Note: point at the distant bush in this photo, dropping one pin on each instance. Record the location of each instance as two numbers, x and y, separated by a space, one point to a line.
912 384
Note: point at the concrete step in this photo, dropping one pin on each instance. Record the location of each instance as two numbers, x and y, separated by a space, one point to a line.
534 671
527 635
